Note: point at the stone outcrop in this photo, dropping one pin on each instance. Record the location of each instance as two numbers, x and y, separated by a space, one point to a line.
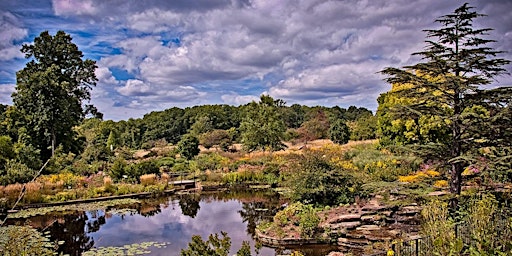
355 227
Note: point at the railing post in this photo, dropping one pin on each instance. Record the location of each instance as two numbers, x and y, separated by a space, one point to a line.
417 246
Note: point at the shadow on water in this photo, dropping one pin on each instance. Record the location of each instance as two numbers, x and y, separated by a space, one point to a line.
173 220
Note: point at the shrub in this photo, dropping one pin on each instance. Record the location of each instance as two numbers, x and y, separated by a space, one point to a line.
315 180
16 172
148 179
297 214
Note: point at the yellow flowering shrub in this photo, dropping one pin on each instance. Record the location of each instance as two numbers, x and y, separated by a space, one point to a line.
441 184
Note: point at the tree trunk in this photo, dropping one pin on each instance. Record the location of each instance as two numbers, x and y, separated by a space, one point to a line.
53 143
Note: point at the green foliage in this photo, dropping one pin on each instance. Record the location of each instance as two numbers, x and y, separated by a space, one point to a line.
212 138
339 132
364 128
188 146
484 228
214 246
263 127
297 214
23 240
317 181
50 91
211 161
446 93
439 230
28 155
489 227
245 250
16 172
6 150
117 170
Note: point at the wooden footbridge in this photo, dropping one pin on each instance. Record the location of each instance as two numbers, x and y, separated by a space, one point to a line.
178 181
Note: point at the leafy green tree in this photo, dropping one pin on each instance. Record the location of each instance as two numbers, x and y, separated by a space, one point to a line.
215 137
339 132
263 127
50 90
6 150
457 62
214 246
364 128
188 146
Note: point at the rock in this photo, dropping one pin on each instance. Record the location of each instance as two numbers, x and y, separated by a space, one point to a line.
351 242
335 254
368 228
346 225
371 219
438 193
346 218
409 210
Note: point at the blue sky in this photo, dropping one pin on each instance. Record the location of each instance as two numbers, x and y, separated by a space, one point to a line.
157 54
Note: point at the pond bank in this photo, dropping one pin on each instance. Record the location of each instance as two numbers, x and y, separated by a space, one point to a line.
356 228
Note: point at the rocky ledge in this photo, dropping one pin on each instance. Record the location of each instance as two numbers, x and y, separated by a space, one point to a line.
358 226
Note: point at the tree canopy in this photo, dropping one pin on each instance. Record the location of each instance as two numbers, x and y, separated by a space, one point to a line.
263 127
51 89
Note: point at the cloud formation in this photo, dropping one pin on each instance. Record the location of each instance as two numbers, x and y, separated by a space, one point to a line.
159 54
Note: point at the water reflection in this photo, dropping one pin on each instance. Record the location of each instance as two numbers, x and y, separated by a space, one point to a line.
172 219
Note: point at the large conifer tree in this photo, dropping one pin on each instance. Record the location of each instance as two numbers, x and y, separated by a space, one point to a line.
456 63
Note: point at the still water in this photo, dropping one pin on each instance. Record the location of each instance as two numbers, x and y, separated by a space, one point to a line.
172 220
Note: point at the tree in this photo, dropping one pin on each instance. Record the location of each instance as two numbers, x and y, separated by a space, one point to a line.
263 127
448 83
317 127
364 128
188 146
51 88
339 132
214 246
215 137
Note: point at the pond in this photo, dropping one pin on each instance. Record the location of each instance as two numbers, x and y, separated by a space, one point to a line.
170 222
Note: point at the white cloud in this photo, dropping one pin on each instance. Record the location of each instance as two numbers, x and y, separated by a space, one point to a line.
10 31
305 51
235 99
5 93
74 7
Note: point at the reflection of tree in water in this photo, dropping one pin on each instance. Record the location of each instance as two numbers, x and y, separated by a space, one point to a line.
73 229
254 212
189 204
153 206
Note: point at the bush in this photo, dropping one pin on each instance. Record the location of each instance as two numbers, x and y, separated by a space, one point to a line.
211 161
316 181
148 179
16 172
298 214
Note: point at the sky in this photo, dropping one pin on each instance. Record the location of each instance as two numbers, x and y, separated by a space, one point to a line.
157 54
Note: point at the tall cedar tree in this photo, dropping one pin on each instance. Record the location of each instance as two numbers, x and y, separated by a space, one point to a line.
51 88
461 63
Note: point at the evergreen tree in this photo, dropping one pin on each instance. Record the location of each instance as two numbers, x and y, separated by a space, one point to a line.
339 132
50 91
448 83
